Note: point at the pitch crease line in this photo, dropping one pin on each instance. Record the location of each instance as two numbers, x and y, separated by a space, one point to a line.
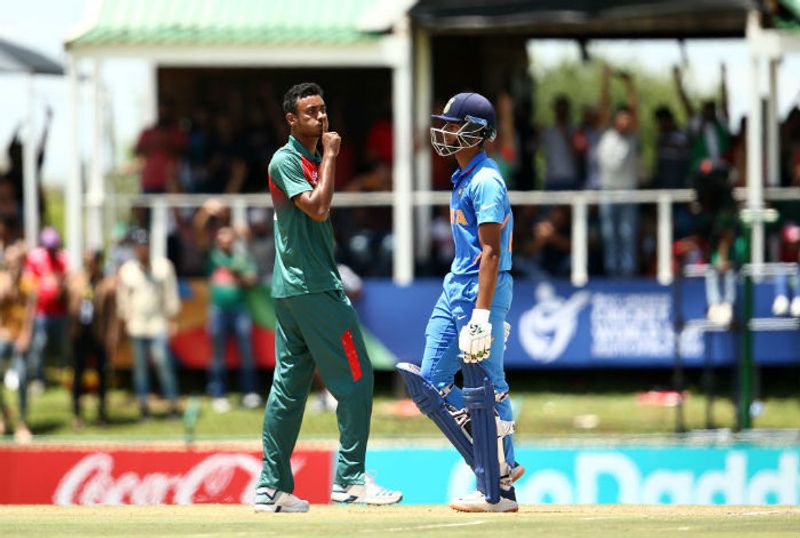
440 526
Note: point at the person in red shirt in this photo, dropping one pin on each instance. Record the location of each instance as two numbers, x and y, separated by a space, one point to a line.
161 146
47 267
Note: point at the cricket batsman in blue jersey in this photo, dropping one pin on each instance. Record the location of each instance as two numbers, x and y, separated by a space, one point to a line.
467 329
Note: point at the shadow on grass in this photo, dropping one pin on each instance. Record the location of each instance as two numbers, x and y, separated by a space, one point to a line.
43 427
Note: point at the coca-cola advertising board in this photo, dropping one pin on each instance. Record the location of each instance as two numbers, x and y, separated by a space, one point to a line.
111 475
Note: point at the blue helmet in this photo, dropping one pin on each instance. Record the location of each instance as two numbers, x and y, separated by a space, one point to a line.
476 114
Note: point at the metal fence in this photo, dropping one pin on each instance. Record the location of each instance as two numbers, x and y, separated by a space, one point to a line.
578 200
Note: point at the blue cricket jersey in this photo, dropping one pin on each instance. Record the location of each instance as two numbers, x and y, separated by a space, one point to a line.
479 195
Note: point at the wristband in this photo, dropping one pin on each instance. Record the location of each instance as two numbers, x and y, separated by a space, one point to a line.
479 315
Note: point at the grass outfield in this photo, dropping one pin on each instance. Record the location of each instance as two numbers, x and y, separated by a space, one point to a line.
539 414
210 521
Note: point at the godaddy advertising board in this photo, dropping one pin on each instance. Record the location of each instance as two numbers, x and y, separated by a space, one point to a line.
629 475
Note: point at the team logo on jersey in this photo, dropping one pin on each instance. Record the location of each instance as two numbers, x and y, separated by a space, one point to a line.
457 217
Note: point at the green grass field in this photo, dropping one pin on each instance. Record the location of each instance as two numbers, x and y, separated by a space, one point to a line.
539 414
210 521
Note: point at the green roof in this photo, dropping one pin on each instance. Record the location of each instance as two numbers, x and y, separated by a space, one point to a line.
225 22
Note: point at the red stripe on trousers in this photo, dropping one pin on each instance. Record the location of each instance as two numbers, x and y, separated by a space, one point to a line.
352 355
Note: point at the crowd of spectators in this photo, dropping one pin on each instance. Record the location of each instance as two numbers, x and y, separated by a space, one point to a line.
223 143
76 321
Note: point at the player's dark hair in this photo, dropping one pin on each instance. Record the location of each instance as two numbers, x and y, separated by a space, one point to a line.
299 91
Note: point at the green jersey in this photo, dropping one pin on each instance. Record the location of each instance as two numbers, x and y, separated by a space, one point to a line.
226 291
304 260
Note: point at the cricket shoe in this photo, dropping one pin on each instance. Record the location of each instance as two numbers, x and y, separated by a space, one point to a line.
516 472
367 493
272 500
476 502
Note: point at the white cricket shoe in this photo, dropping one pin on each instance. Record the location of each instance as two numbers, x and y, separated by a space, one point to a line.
367 493
476 502
221 405
251 400
272 500
516 472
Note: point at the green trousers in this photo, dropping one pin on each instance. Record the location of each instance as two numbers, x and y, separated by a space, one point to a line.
318 330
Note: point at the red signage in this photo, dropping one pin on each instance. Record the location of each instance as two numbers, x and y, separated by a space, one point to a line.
108 475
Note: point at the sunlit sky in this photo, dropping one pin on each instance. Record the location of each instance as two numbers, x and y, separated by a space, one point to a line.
43 25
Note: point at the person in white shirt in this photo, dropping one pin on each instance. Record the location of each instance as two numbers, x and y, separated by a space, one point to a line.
617 155
147 303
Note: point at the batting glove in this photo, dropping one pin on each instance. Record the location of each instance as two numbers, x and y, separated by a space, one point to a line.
475 338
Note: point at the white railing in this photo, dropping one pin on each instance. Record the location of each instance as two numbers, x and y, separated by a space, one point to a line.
578 200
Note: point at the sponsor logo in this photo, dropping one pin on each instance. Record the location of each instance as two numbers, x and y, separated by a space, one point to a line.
619 324
217 478
546 329
616 477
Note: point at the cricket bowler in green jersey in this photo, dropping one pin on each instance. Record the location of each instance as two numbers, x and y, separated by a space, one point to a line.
316 326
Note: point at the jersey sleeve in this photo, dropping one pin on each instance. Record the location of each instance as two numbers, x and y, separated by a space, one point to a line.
287 174
489 199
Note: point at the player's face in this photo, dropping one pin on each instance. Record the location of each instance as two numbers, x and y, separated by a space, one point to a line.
450 130
311 118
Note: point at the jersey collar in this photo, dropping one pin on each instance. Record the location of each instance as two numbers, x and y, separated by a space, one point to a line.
302 150
460 174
